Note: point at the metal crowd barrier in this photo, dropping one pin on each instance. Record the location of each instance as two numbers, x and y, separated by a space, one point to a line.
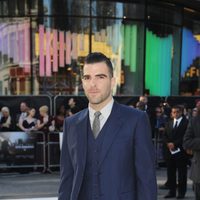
22 150
158 147
53 149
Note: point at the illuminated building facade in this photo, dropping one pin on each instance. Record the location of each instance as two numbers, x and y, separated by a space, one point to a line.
154 45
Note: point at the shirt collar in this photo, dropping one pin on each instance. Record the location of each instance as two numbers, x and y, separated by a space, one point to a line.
178 120
105 111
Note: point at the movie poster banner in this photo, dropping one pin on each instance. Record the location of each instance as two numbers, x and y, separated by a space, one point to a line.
20 149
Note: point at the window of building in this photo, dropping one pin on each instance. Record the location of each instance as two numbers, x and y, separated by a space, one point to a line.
190 59
154 45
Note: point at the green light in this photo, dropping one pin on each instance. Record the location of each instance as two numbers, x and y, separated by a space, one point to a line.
127 45
133 48
158 64
123 38
130 46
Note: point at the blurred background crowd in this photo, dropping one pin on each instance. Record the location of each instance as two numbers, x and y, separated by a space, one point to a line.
30 119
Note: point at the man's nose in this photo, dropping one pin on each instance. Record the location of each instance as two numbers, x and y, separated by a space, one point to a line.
93 82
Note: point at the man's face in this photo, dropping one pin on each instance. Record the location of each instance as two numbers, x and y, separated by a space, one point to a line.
158 112
143 99
176 113
97 82
23 107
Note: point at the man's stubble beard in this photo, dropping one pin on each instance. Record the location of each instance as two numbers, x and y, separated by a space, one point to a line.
98 100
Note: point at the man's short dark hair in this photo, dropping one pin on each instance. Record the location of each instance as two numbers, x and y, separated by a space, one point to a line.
178 107
97 57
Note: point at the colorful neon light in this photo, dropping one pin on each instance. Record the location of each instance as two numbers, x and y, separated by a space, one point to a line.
68 47
61 49
48 52
27 48
158 64
55 50
190 50
130 46
41 51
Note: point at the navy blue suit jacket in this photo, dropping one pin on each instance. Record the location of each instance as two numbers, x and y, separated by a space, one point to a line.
127 164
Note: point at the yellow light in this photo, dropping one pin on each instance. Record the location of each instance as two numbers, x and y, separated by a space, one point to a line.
197 37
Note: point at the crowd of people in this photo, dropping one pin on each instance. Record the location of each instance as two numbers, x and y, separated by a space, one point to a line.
26 120
177 129
29 119
33 121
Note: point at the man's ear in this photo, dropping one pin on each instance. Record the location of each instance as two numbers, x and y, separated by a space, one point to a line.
113 82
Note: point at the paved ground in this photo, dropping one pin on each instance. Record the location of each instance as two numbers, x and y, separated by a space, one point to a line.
161 177
37 186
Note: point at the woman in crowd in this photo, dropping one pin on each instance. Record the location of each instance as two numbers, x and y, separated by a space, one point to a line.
5 121
73 110
46 123
59 118
30 122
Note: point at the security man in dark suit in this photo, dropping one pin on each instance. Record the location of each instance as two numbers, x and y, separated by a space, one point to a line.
176 156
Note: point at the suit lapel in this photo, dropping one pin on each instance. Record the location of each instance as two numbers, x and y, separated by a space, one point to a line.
81 129
114 123
182 122
171 130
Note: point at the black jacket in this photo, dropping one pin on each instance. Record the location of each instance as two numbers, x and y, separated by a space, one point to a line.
175 135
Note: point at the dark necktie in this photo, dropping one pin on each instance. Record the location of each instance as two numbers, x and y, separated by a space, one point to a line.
176 124
96 124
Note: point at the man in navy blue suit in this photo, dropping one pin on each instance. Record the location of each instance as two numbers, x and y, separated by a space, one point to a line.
107 152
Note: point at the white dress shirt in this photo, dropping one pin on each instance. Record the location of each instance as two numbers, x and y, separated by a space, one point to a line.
177 120
105 113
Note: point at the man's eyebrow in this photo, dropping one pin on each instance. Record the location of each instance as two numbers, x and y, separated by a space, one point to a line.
96 75
104 75
85 75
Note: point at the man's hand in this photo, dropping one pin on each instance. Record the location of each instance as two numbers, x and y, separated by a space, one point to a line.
189 152
170 145
161 129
